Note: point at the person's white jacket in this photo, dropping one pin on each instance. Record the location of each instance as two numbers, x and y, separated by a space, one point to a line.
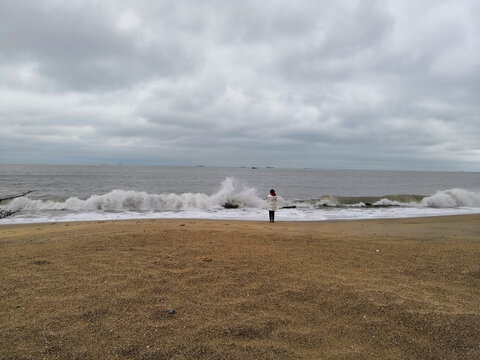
271 203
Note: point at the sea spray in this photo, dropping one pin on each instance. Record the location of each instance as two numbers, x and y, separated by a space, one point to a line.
453 198
231 191
238 193
248 204
235 192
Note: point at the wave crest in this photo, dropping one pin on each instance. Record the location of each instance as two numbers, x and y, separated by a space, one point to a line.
452 198
231 191
237 194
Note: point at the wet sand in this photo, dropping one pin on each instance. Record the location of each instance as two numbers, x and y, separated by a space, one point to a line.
376 289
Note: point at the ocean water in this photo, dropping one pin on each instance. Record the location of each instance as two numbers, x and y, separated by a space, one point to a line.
77 193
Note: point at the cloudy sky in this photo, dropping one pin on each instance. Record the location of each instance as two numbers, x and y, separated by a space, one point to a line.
387 84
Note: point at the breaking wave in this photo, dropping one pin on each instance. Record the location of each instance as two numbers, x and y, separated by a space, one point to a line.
231 192
452 198
236 194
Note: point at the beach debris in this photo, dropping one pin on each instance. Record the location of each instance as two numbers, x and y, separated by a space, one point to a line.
127 249
181 225
11 197
230 205
377 251
6 213
40 262
171 311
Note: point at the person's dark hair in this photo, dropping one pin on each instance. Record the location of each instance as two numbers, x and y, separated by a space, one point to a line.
272 191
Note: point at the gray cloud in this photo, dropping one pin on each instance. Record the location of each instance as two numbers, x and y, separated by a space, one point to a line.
355 84
84 46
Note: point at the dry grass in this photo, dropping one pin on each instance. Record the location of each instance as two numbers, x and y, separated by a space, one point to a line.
241 290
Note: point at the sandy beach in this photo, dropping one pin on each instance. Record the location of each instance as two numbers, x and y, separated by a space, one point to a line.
201 289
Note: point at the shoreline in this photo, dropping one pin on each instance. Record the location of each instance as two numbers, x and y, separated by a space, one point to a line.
238 289
239 220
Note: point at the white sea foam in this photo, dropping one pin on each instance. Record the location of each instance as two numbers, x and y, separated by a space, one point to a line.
126 204
388 202
453 198
231 191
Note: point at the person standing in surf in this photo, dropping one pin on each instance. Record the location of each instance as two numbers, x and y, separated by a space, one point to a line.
272 205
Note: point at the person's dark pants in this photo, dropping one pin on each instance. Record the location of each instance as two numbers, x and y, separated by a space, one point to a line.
272 216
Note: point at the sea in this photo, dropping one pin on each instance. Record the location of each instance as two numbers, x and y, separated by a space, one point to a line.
113 192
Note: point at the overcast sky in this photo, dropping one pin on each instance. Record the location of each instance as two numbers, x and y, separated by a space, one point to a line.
388 84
